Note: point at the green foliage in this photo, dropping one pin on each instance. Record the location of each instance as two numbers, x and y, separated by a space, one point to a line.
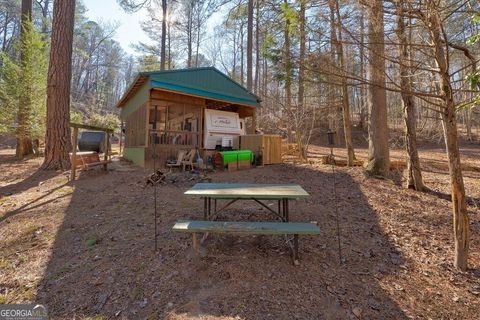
24 83
474 77
91 243
76 117
148 63
8 93
290 15
108 120
473 39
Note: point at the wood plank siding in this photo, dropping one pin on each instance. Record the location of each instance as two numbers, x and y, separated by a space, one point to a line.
135 124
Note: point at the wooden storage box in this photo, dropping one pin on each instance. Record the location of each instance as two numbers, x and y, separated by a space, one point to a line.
269 146
239 165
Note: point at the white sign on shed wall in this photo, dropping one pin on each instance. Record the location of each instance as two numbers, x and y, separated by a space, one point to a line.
221 124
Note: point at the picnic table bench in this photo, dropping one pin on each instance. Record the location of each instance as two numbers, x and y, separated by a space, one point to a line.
249 228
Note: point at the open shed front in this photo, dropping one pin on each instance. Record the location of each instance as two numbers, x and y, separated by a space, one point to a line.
180 122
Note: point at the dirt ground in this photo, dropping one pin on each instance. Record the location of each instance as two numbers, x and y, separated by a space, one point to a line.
85 248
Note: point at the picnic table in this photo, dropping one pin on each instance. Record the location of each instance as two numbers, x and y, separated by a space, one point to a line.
247 191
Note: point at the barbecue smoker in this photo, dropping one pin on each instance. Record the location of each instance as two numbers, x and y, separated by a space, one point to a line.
92 141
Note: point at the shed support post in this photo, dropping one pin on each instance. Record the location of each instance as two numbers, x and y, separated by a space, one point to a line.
74 154
120 140
105 151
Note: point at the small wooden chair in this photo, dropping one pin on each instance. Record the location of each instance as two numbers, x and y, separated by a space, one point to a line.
189 159
179 162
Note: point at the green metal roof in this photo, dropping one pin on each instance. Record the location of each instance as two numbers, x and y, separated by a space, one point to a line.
207 82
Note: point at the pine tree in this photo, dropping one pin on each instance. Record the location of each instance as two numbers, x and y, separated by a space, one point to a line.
57 139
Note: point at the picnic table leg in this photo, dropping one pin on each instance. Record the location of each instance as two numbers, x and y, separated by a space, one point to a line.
195 243
284 210
287 213
279 208
214 206
205 208
295 250
209 208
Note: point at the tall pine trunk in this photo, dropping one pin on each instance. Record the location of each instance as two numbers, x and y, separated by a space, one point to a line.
164 35
57 139
24 139
414 173
378 152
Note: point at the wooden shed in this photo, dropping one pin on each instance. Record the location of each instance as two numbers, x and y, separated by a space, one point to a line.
181 98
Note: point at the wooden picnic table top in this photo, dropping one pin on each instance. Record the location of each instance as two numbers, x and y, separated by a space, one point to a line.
248 191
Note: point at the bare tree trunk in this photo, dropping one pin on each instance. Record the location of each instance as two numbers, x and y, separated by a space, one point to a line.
44 9
461 221
468 120
347 126
363 104
24 139
169 41
257 47
301 58
234 55
300 134
189 36
378 152
288 73
332 88
164 35
5 31
336 111
242 56
57 139
250 45
414 173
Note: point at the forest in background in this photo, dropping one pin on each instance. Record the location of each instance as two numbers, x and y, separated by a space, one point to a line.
316 65
296 48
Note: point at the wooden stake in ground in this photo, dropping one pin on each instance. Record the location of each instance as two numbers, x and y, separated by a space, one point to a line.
57 139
